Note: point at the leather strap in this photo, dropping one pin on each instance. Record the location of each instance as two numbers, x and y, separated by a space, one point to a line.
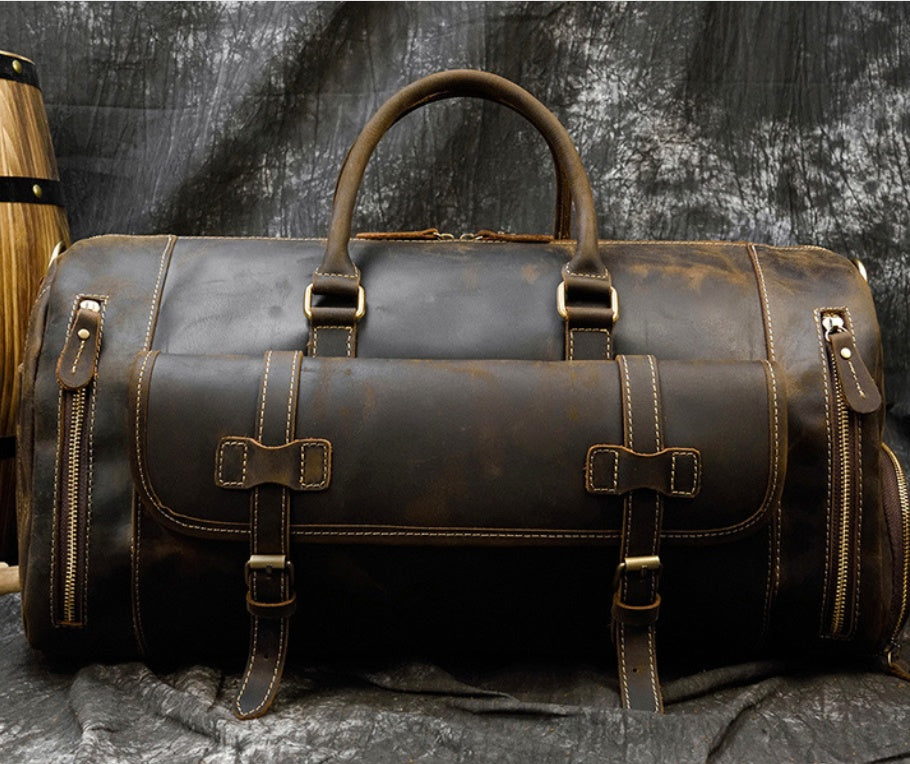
332 340
588 343
636 600
271 597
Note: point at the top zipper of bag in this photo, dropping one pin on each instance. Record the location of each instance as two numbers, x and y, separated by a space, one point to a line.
434 234
853 393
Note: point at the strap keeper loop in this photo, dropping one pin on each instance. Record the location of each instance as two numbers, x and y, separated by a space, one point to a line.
635 615
282 609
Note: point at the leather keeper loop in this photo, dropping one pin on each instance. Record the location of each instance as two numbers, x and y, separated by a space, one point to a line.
635 615
283 609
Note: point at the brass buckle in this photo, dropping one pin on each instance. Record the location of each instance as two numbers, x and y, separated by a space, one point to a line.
270 563
308 303
635 565
564 311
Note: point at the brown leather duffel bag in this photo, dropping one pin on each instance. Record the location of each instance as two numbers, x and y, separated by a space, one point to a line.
457 445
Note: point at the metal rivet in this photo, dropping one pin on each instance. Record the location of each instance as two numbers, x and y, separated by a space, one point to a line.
36 190
846 353
17 67
83 334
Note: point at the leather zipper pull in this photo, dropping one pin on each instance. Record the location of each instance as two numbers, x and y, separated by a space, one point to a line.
427 234
859 388
79 358
526 238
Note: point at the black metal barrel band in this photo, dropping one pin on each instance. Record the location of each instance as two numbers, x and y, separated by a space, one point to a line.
20 190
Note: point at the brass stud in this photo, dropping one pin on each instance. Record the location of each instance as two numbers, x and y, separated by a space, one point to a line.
846 353
36 190
17 66
83 334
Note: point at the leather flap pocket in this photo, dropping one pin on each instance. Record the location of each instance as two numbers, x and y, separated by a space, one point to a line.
471 452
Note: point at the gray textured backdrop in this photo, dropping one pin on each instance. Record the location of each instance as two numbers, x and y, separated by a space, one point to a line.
778 122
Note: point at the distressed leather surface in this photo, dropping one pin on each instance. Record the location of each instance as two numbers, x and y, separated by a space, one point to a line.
456 300
445 452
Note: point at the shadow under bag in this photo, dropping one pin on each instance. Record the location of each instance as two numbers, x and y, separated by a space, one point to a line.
407 443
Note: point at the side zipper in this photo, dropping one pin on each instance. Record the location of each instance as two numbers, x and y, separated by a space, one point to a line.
852 393
76 370
892 653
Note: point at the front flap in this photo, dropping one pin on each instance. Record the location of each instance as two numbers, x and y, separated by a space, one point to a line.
412 451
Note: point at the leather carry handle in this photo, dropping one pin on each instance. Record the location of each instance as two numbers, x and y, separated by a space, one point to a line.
562 217
337 277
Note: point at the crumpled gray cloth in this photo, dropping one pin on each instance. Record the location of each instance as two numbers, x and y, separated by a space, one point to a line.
420 712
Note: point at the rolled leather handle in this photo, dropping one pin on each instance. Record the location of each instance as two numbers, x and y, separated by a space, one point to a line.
337 275
562 218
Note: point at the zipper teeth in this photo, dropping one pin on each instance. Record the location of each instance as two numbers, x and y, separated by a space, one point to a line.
845 500
71 505
904 500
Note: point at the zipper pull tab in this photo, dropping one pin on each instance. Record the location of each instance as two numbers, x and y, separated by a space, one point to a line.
79 358
860 391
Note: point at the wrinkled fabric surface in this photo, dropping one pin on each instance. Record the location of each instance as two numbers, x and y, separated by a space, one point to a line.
422 712
782 123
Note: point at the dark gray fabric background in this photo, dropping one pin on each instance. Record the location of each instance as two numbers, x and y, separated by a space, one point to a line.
777 122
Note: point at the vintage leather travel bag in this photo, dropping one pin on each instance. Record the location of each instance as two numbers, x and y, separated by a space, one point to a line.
503 446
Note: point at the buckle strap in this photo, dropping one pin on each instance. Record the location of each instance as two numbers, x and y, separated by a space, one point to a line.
270 598
636 601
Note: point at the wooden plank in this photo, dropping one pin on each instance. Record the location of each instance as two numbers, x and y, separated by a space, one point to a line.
9 579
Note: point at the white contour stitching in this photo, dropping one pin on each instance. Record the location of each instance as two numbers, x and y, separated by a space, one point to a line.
265 392
766 306
652 665
162 268
774 533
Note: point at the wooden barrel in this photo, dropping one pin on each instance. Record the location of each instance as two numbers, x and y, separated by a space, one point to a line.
32 224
